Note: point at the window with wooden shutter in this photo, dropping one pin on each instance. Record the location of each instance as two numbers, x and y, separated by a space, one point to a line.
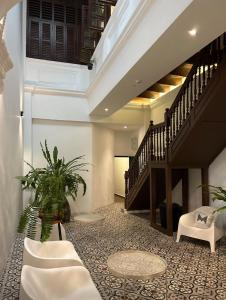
65 30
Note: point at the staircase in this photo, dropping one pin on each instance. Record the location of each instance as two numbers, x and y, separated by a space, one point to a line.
191 136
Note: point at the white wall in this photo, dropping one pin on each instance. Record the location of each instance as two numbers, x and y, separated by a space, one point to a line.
11 138
103 166
60 114
59 107
217 177
75 139
195 193
72 139
126 143
121 164
57 75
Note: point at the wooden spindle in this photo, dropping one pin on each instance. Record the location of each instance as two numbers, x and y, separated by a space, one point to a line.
199 81
187 99
180 114
183 106
157 142
151 141
160 144
191 94
173 121
168 124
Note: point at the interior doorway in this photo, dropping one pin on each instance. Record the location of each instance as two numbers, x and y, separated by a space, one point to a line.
121 164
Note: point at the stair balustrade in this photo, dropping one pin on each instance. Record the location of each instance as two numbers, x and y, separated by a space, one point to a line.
158 139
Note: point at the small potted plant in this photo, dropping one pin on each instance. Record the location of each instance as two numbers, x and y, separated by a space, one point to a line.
218 193
51 186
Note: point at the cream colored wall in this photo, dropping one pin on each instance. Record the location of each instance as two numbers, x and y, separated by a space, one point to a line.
103 166
72 139
121 164
126 143
11 138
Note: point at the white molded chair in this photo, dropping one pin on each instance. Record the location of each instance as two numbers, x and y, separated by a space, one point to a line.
188 227
50 254
54 236
69 283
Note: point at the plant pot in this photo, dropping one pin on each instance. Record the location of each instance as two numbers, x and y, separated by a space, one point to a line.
67 213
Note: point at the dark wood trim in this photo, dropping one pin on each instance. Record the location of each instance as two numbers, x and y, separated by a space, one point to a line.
205 188
185 190
153 195
169 200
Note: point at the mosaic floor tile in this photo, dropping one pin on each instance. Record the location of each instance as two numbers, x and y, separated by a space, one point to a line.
193 273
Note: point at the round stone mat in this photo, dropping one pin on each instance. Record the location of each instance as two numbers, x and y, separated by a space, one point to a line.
136 264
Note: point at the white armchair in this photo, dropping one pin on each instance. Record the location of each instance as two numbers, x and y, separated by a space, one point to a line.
50 254
69 283
188 227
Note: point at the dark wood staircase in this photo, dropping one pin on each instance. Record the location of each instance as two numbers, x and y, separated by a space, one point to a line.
191 136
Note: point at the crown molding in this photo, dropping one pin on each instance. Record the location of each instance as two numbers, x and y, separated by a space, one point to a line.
34 88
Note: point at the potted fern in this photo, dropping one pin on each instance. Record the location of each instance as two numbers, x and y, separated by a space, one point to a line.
51 188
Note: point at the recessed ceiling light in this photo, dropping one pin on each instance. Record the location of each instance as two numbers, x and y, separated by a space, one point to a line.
193 32
138 81
106 109
125 127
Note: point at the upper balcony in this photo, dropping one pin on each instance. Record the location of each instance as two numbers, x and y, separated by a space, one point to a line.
143 41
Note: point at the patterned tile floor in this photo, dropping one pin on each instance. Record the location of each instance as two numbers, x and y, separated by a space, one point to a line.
193 273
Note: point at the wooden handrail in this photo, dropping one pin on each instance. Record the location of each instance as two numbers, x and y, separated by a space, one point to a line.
178 97
158 138
139 150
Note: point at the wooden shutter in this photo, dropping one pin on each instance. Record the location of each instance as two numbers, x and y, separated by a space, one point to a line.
65 30
59 13
33 46
34 8
45 41
47 13
96 15
59 42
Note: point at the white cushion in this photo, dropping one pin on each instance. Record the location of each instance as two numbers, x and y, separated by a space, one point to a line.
65 283
203 220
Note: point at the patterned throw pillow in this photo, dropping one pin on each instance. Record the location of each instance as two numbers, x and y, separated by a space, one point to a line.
203 220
